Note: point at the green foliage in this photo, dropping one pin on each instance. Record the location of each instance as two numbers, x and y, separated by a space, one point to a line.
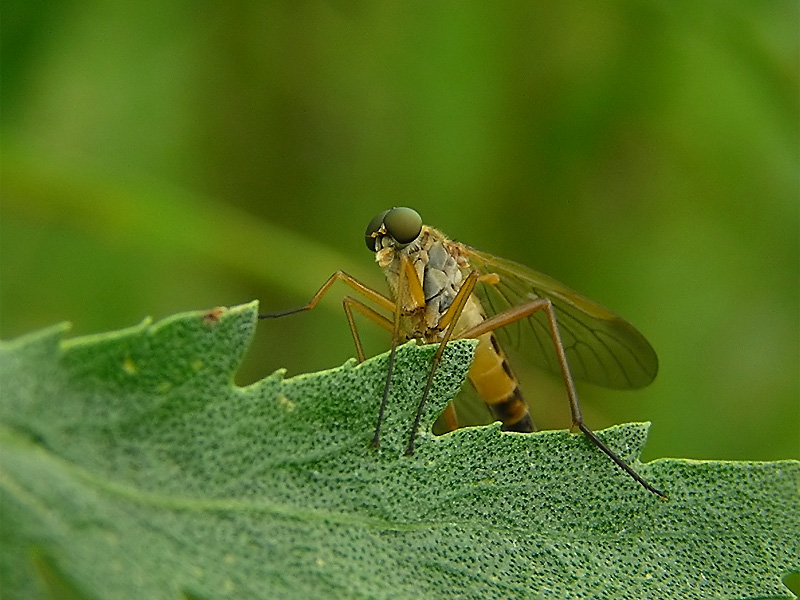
132 467
644 152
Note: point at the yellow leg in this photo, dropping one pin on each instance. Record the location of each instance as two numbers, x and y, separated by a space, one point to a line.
525 310
449 320
407 274
413 287
398 311
348 304
354 283
450 417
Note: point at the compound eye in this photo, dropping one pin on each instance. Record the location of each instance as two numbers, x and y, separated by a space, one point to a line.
403 224
373 228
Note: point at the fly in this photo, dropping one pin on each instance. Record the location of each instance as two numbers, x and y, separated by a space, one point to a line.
442 290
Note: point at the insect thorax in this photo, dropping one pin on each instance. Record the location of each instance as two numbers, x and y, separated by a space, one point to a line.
441 269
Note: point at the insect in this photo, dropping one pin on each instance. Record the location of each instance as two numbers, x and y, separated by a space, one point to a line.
443 290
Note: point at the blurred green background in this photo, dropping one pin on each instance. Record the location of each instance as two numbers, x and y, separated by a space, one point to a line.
161 157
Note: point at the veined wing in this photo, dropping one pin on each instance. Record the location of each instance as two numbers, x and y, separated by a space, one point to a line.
601 347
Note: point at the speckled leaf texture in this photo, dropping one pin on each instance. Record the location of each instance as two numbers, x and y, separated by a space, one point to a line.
132 467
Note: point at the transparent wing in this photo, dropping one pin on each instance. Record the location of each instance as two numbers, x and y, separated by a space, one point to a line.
601 347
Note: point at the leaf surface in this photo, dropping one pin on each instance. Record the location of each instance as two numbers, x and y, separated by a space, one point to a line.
132 467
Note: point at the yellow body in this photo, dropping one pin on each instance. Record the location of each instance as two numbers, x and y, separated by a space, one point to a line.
436 299
438 269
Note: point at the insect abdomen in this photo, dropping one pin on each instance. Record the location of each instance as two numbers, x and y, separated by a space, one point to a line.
496 384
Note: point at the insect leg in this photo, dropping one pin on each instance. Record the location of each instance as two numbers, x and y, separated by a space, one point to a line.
398 311
347 302
525 310
354 283
450 417
413 287
449 320
350 304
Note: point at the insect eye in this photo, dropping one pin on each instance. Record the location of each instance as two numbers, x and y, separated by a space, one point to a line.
403 224
372 229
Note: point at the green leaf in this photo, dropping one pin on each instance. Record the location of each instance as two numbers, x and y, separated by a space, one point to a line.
132 467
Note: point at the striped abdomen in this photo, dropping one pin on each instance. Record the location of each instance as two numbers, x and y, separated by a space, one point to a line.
497 386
